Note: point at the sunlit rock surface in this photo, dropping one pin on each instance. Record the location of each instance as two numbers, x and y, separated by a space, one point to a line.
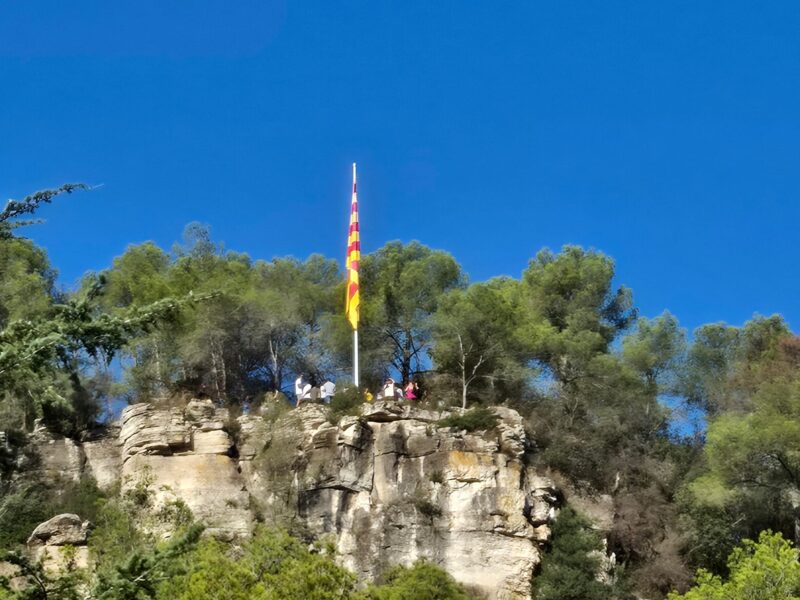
62 531
389 486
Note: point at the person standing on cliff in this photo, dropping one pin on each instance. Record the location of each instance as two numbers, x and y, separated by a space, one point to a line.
328 391
302 390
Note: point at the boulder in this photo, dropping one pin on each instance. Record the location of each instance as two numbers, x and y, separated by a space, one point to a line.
47 540
61 530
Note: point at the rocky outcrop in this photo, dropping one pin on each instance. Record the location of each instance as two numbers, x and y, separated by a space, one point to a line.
187 455
392 487
389 486
50 538
63 459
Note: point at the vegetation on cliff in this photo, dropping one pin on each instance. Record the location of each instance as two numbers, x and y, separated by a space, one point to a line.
599 386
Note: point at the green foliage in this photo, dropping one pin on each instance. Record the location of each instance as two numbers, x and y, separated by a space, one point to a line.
26 281
15 209
475 419
421 581
40 584
427 508
436 476
571 311
40 360
347 402
26 504
401 289
272 565
473 335
138 577
763 570
725 364
264 323
754 454
712 533
274 406
570 568
656 350
127 529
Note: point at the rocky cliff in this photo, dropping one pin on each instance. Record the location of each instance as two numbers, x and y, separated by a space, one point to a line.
389 486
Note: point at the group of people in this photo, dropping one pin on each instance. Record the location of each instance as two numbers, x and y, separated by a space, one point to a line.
309 392
390 390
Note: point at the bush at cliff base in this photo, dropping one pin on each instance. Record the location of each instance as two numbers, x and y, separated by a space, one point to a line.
570 568
422 581
763 570
275 565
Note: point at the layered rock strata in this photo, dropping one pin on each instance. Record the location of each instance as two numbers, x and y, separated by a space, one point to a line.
389 486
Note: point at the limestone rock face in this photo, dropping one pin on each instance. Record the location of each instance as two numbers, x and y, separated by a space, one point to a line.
390 486
187 455
60 457
61 530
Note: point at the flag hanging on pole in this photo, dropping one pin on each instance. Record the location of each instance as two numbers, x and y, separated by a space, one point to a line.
353 260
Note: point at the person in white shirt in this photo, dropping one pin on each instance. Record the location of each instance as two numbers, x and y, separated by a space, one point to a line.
301 390
389 389
328 391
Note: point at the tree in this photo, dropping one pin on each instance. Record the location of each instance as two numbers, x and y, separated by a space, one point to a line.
140 575
264 322
402 286
756 452
763 570
570 310
14 209
40 360
38 583
473 337
656 350
570 569
723 363
27 282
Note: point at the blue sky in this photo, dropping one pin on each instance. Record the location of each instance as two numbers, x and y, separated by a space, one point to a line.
664 134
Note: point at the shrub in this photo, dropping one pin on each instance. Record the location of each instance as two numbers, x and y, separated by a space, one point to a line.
274 406
570 568
765 569
422 581
437 476
346 403
427 508
475 419
272 564
21 510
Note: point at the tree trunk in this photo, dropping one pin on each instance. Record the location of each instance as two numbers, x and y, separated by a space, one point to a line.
224 372
276 373
405 370
215 371
794 501
463 362
159 381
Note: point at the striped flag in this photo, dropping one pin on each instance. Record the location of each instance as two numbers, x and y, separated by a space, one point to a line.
353 260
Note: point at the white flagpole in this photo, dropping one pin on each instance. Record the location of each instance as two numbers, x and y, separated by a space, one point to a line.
355 357
355 330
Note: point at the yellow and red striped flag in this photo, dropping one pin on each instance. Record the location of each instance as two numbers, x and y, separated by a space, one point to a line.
353 260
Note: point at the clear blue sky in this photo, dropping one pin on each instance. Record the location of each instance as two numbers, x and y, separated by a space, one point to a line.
666 134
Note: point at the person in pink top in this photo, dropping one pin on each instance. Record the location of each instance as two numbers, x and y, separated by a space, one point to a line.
410 391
